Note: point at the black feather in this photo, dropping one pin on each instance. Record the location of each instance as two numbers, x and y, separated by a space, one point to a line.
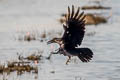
85 54
75 30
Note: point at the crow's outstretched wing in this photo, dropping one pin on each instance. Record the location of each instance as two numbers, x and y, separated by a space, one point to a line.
74 28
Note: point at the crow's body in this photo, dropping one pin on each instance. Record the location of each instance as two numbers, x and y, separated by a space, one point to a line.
74 32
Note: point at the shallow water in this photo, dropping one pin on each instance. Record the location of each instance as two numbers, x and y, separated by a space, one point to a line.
17 17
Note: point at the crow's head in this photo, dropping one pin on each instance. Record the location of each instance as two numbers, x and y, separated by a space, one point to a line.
55 40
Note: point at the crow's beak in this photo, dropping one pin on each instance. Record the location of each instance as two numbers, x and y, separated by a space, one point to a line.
49 42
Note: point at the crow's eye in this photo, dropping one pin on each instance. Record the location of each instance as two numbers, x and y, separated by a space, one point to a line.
55 40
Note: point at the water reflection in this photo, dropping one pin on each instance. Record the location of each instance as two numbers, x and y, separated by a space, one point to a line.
24 15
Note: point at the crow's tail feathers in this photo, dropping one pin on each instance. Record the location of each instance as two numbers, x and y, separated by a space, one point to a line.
85 54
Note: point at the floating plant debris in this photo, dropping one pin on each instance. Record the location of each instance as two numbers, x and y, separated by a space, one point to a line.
29 37
94 7
43 35
20 67
32 57
94 19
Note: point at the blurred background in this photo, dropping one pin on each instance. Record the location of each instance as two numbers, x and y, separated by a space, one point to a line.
26 26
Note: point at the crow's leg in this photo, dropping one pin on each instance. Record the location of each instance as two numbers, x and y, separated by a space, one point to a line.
68 60
57 51
49 56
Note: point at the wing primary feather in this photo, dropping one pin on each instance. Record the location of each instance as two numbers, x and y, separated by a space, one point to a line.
77 13
83 18
80 15
68 12
72 11
74 28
